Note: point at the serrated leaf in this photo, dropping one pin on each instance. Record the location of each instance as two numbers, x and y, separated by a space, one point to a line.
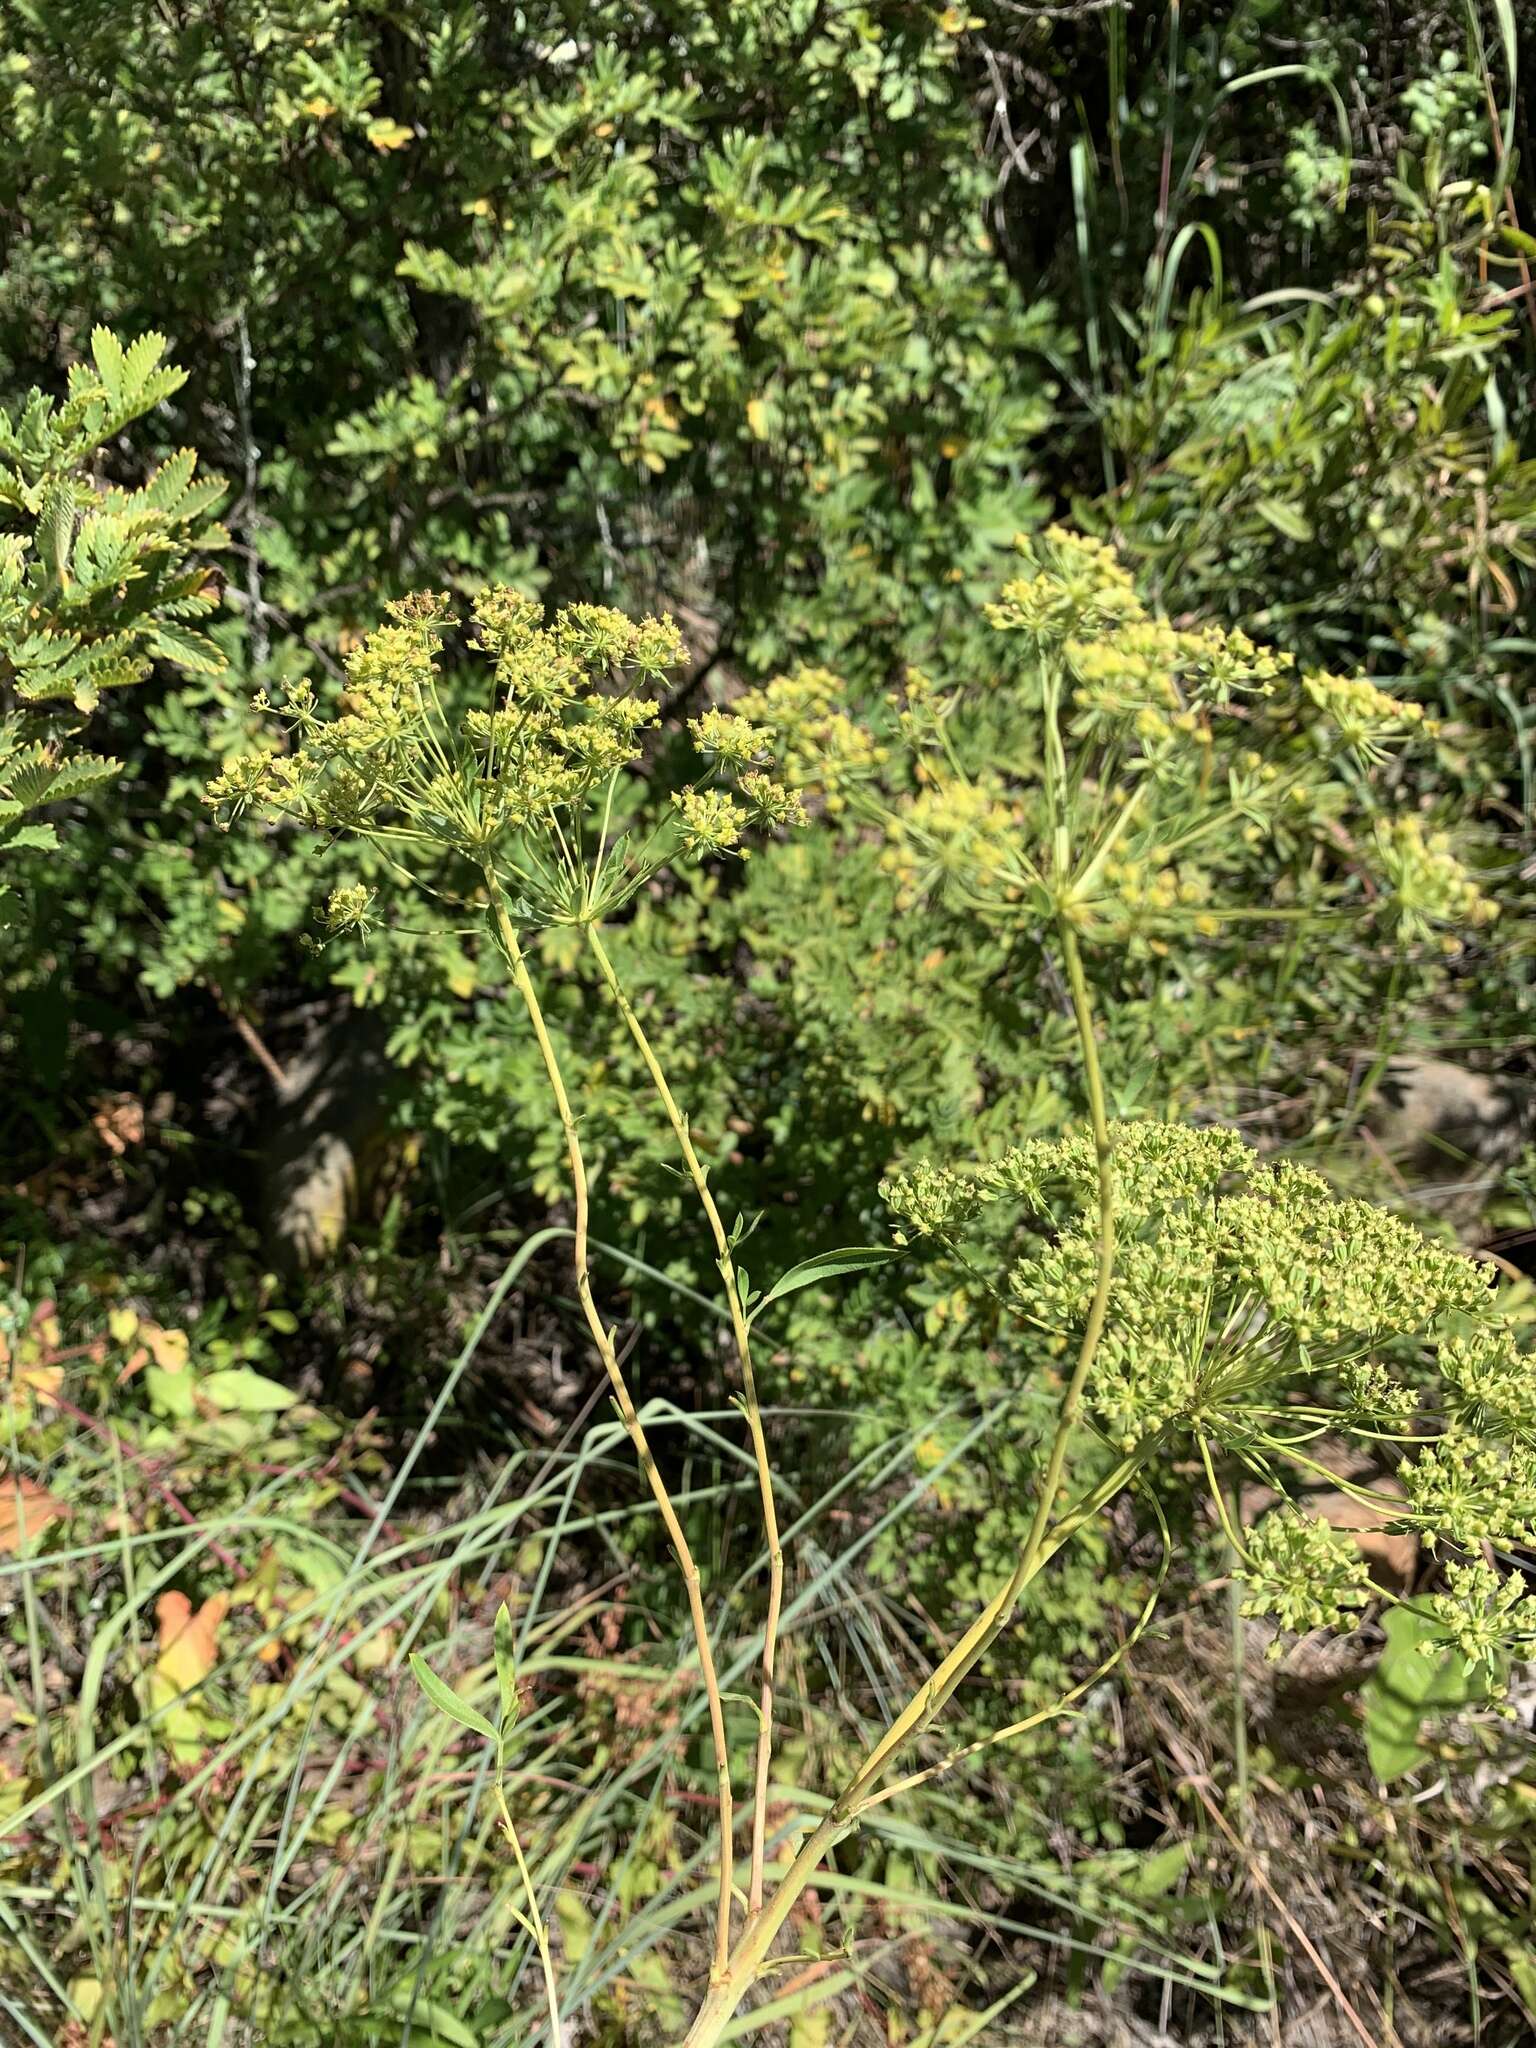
107 354
167 486
80 773
144 384
56 529
32 839
447 1701
186 649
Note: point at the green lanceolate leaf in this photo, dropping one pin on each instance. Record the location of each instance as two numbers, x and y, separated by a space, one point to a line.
827 1266
506 1670
1286 519
447 1701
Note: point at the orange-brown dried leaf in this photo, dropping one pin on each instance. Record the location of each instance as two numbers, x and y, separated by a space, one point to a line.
26 1510
189 1643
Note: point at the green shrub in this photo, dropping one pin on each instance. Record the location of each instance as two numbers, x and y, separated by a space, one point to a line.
96 583
1198 1295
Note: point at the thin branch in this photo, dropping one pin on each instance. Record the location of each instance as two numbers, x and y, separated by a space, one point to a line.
602 1338
740 1329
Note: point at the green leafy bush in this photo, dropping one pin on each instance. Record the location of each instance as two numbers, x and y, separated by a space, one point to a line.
96 583
1198 1294
750 319
711 306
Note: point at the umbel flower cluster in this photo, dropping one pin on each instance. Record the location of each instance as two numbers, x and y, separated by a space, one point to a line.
527 787
1251 1311
1144 779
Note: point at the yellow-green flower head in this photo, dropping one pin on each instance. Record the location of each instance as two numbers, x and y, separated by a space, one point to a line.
1428 884
253 781
507 620
524 787
822 748
628 715
1491 1383
348 909
710 821
770 803
1216 664
600 638
951 831
1242 1295
598 748
535 674
347 799
657 648
429 609
1124 672
733 741
1374 1399
1075 587
1362 716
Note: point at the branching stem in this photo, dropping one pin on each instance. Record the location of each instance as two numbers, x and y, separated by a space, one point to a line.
1046 1534
602 1338
698 1173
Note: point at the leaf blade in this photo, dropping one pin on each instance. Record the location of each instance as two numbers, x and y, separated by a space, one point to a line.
447 1701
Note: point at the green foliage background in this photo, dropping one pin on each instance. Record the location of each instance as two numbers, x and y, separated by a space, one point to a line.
785 318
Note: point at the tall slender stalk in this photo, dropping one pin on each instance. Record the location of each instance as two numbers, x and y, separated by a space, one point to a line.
751 1951
533 1920
1046 1533
602 1338
698 1173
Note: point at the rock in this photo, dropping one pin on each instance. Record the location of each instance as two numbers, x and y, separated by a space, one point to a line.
329 1125
1448 1132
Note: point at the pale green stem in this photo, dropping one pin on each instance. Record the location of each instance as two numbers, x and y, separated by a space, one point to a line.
534 1920
1235 1544
602 1338
1041 1542
698 1173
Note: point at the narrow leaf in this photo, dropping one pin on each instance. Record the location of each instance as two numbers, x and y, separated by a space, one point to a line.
828 1266
1286 519
506 1670
447 1701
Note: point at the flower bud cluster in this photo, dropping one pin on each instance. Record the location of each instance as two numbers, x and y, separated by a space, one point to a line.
1251 1309
1302 1573
1428 885
822 748
524 787
1484 1616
